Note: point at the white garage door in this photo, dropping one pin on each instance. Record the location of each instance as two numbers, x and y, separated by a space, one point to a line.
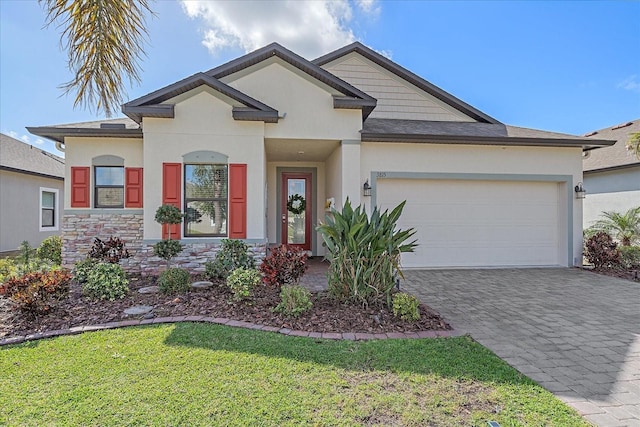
478 223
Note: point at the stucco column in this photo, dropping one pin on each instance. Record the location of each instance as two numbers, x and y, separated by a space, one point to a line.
351 181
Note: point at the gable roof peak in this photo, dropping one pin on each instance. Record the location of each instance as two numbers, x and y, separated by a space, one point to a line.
408 76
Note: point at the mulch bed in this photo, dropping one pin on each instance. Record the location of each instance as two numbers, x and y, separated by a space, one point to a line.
326 315
633 275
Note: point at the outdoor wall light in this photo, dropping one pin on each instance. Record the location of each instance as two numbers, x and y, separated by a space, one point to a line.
581 193
366 189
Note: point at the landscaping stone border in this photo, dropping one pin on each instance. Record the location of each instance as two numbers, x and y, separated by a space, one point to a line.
351 336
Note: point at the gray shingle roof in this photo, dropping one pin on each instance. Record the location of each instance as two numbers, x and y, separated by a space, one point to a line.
16 155
616 155
468 132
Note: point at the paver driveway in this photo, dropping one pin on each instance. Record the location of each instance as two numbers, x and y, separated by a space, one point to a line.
576 333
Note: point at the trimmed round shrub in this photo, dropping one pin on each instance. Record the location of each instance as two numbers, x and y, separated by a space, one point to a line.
295 300
405 306
242 281
51 249
106 281
82 268
174 280
167 249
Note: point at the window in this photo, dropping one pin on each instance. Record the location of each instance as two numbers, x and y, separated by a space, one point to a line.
109 187
48 209
205 200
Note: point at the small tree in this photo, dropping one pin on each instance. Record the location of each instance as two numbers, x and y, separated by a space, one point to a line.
166 249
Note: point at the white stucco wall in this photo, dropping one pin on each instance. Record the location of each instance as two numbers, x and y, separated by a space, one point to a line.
334 176
307 103
203 122
20 209
439 158
81 151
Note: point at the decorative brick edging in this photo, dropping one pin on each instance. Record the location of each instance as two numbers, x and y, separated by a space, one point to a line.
234 323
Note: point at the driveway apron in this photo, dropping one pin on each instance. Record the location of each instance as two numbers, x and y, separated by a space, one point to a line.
574 332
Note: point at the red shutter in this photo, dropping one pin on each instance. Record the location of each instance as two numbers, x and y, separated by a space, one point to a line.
133 187
171 185
237 201
80 186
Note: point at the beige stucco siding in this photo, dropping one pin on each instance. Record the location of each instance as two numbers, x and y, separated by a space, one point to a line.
464 159
204 122
397 98
82 151
306 104
20 209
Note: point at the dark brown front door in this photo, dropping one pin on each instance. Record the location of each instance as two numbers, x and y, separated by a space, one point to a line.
296 209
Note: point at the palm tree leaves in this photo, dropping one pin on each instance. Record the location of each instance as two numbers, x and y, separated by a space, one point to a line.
623 226
104 41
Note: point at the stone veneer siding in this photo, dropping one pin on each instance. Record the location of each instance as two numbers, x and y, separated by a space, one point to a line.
79 230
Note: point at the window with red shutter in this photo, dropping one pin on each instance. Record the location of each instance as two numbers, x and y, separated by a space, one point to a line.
80 186
171 194
133 187
237 201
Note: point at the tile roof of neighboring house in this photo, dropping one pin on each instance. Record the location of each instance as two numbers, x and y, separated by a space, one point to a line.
17 156
387 130
617 155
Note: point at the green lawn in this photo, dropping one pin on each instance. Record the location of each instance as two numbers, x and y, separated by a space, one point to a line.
199 374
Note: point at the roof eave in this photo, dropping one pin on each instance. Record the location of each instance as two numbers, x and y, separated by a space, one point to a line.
27 172
136 113
249 114
59 134
611 168
481 140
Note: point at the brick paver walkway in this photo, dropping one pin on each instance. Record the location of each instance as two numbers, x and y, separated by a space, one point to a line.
574 332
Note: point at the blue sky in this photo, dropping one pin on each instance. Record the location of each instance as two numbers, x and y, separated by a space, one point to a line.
568 67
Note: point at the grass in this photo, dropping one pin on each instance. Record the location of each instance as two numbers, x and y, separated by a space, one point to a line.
199 374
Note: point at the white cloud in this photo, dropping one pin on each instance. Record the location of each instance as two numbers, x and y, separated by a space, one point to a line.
309 28
630 83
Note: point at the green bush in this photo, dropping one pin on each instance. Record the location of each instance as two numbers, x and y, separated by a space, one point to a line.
167 249
82 268
8 269
174 280
630 256
51 249
364 252
405 306
295 300
241 281
106 281
35 293
284 265
234 254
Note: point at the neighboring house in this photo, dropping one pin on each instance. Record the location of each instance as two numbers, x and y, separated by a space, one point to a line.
231 145
31 194
611 174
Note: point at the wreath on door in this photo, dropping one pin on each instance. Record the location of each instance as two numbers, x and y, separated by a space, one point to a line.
296 204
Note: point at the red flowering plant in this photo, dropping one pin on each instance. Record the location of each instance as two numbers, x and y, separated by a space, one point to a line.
284 265
35 293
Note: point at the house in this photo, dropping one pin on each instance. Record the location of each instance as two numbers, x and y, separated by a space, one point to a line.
611 174
258 149
31 194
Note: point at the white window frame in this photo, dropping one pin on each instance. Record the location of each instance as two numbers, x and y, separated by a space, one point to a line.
56 212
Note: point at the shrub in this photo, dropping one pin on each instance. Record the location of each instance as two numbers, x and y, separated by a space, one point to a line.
174 280
168 214
106 281
630 256
284 265
27 253
234 254
35 293
364 252
295 300
405 306
601 251
167 249
241 281
111 251
8 269
82 268
51 249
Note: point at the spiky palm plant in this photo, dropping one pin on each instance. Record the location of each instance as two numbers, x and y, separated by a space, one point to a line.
104 41
625 227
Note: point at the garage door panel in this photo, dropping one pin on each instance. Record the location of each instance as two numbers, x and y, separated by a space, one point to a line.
477 223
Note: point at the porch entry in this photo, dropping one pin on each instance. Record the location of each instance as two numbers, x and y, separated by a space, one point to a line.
296 209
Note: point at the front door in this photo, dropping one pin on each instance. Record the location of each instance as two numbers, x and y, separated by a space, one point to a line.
296 205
